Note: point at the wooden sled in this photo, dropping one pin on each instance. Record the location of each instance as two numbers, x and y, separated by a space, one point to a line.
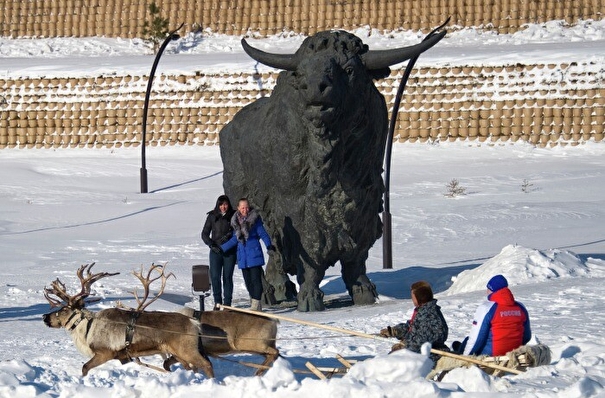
515 362
326 373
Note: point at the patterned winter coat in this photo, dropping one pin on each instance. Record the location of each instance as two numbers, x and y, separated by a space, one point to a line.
427 325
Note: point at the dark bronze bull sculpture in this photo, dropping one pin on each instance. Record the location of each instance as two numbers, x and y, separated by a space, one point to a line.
310 158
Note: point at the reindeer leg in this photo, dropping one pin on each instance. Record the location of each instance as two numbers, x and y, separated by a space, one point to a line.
200 363
99 358
209 371
171 360
168 362
269 359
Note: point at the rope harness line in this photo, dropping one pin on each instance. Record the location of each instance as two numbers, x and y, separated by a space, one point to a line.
146 365
314 324
128 324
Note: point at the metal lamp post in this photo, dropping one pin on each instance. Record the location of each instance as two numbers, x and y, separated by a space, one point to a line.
387 241
171 36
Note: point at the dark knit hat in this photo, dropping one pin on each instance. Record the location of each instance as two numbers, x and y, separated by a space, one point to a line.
423 292
496 283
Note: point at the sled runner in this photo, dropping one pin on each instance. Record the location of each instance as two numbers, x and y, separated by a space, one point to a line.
516 361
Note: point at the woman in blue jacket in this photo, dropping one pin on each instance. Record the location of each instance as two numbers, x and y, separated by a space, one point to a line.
248 232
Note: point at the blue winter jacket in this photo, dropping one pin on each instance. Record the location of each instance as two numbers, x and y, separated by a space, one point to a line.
247 237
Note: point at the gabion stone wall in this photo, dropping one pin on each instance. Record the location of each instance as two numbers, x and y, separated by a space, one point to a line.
482 104
124 18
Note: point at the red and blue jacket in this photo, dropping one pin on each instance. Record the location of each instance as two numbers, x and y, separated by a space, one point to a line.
500 325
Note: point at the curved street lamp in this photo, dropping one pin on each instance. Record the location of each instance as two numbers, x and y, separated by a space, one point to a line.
171 36
387 241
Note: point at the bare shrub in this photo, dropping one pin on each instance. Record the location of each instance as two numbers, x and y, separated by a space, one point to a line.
454 189
526 186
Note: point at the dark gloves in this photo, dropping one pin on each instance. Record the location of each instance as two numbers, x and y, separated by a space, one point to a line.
271 248
216 248
387 332
397 346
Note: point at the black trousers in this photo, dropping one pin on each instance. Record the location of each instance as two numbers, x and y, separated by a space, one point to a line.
254 281
221 272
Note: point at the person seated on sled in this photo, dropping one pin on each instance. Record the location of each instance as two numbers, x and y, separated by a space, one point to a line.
426 325
500 324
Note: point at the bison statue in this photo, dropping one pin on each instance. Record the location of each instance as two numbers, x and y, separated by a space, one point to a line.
310 157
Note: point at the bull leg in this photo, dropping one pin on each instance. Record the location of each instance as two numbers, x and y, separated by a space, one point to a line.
99 358
310 297
360 288
285 290
285 260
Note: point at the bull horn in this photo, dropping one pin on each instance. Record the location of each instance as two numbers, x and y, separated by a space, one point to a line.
279 61
379 59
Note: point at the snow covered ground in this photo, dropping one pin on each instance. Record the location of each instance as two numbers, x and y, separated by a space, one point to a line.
534 215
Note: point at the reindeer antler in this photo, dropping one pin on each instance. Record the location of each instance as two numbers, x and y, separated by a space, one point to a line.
59 290
146 281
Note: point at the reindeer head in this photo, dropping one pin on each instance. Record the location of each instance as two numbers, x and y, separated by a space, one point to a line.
69 304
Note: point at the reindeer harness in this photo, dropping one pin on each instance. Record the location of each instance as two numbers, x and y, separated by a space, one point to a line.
83 315
134 315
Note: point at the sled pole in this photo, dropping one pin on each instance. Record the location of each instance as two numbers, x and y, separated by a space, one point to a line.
475 361
317 325
146 365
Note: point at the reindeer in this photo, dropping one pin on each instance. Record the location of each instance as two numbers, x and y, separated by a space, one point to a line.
125 334
228 332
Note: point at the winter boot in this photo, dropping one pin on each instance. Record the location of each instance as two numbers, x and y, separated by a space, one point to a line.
255 305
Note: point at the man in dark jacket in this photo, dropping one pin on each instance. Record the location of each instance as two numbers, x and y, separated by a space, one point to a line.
216 231
426 325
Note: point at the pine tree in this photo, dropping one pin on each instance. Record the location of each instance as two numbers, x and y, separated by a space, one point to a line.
156 29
